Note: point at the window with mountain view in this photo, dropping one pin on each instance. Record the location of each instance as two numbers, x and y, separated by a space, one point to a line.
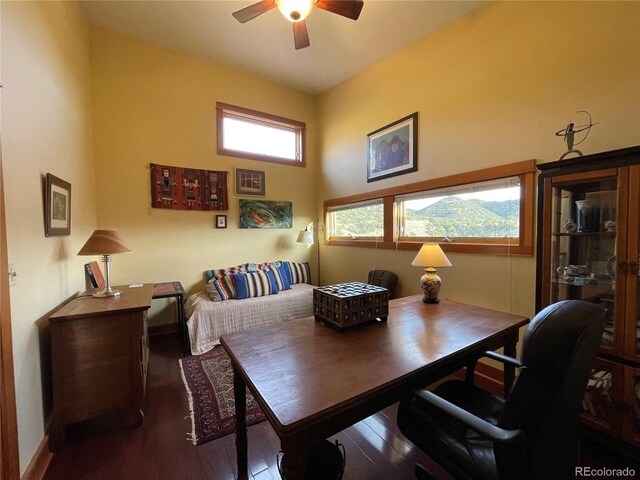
360 220
487 211
483 211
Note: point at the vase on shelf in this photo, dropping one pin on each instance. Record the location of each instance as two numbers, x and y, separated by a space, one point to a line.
588 213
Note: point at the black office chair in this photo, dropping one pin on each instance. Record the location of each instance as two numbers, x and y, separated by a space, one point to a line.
534 433
383 278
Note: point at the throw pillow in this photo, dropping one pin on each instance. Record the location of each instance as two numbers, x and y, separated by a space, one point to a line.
224 286
225 272
213 293
281 277
299 273
254 284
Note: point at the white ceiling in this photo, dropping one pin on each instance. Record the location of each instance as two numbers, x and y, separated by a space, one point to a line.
340 47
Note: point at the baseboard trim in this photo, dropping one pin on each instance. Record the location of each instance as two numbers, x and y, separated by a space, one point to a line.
486 377
166 329
40 462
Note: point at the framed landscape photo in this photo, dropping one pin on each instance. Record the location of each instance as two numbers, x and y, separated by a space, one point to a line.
392 150
221 221
57 207
250 182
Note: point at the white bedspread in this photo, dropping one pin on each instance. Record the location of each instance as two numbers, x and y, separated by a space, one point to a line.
208 320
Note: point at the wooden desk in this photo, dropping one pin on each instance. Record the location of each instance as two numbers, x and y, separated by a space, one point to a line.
312 382
100 351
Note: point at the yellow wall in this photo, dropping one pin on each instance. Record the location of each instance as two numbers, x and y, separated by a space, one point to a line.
153 105
46 127
490 89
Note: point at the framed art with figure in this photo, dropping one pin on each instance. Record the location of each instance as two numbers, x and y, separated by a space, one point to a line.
57 207
392 150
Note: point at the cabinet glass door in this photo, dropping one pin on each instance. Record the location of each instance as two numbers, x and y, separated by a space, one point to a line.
584 237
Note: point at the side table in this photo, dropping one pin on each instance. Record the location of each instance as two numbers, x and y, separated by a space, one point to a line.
175 290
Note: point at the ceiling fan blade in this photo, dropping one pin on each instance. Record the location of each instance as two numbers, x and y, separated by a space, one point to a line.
347 8
252 11
300 35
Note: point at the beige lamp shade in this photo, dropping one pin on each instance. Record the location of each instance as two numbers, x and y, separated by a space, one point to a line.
431 255
104 242
305 237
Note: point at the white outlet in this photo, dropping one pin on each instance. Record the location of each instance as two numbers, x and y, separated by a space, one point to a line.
13 275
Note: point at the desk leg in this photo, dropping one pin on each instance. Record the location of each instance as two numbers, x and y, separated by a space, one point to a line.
295 451
509 370
240 396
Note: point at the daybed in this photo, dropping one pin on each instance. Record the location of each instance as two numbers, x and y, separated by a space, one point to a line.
208 319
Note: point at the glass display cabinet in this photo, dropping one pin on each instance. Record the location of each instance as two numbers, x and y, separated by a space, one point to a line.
588 247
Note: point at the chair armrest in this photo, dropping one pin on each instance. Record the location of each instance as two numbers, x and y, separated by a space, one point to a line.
477 424
501 358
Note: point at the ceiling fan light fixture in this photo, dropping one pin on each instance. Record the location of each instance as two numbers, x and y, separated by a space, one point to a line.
295 10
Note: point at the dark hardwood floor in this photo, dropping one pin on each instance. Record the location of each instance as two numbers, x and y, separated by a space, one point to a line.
107 449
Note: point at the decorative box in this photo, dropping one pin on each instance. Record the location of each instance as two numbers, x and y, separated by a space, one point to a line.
349 304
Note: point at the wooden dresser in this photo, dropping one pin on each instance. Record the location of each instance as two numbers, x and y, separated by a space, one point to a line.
100 352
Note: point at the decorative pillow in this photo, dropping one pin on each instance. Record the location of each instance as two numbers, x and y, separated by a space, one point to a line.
256 267
299 272
213 292
225 287
225 272
254 284
281 277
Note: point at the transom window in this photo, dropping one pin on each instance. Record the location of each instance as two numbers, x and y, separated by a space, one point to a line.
259 136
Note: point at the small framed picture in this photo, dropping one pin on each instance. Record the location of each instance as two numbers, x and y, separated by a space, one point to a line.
392 150
221 221
57 207
250 182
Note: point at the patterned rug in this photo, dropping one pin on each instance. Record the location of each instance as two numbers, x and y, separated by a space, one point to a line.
208 379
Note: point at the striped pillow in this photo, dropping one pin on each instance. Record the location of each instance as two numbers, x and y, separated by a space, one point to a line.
254 284
224 286
299 272
225 272
281 277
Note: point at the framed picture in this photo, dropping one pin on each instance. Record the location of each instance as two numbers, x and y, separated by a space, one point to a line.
250 182
392 150
265 214
221 221
57 207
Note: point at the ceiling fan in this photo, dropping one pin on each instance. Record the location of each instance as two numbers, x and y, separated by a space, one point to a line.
297 10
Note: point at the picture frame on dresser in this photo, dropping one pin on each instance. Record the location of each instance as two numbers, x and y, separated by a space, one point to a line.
57 207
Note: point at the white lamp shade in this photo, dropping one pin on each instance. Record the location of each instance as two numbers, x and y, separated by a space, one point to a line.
431 255
305 237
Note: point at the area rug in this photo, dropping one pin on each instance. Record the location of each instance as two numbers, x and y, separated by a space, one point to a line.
208 379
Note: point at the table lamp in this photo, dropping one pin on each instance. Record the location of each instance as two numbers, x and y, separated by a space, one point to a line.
431 256
105 243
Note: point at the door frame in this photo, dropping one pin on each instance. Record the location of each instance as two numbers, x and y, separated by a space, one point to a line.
9 452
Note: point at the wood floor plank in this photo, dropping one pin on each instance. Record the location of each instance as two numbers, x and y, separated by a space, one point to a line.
107 449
